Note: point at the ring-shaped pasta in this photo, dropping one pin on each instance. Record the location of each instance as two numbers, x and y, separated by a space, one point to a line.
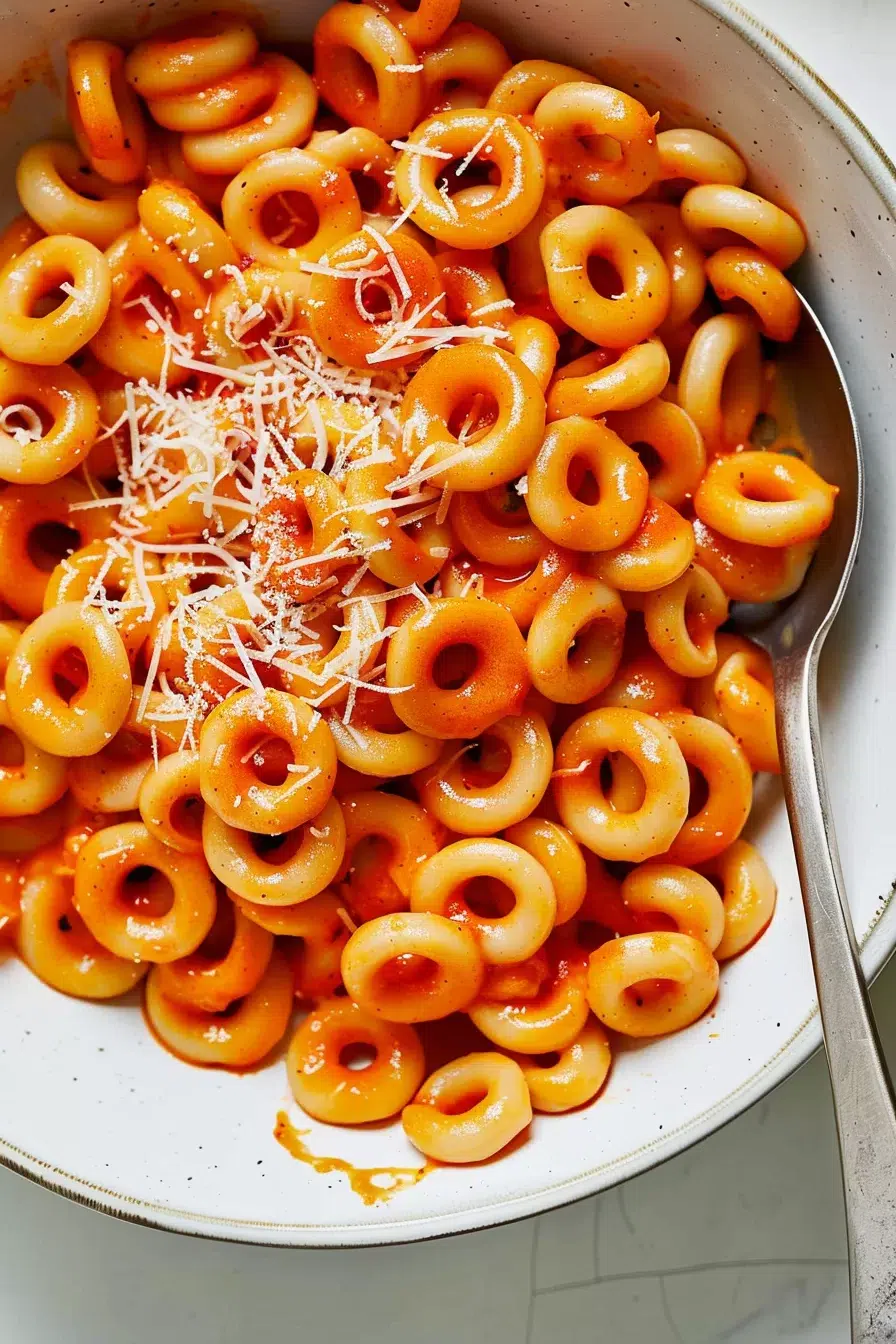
550 1020
516 980
103 110
521 594
219 106
356 50
237 1038
161 918
574 1078
255 794
63 194
681 621
287 120
579 794
765 499
330 190
701 693
677 893
386 838
657 554
746 274
711 213
48 264
465 134
714 752
54 943
83 724
299 532
269 296
745 695
447 385
641 303
191 54
130 340
377 743
412 967
750 573
697 156
494 526
170 802
42 454
569 115
226 966
749 895
642 682
175 216
495 685
439 888
32 783
535 343
370 162
675 440
462 68
471 801
320 678
684 259
475 294
470 1109
524 85
37 529
166 161
379 268
110 779
651 984
424 24
574 644
301 865
592 386
556 501
559 855
337 1093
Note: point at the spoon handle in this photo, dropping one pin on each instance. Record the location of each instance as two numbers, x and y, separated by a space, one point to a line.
863 1095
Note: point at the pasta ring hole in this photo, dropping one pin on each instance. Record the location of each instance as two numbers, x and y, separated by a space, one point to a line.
145 294
485 762
591 935
604 278
80 181
454 665
70 674
357 1055
473 417
27 417
147 890
409 969
649 457
549 1060
580 481
378 301
372 855
465 1102
487 897
370 192
647 993
185 816
49 542
595 634
269 758
479 172
289 219
128 747
603 147
218 941
276 849
699 794
12 753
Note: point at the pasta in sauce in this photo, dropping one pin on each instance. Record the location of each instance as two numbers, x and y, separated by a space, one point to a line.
382 447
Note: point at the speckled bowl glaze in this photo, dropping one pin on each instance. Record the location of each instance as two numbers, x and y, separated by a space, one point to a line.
92 1107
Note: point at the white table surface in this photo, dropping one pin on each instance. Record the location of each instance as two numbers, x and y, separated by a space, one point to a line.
741 1239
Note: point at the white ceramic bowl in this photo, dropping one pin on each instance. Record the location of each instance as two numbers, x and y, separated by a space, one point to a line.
92 1107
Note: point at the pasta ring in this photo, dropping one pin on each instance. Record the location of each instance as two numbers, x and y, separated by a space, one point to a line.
191 54
681 621
412 967
171 804
386 839
765 499
301 865
623 990
698 156
675 440
551 1020
354 48
570 114
103 110
658 553
687 898
227 966
631 316
71 406
423 25
496 685
501 1109
524 85
746 274
287 120
574 645
157 925
574 1078
555 503
39 270
583 806
63 194
335 1092
554 847
713 213
749 895
592 386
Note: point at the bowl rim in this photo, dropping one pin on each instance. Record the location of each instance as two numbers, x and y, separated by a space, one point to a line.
879 168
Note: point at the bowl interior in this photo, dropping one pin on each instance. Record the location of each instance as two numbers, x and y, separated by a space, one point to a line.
90 1103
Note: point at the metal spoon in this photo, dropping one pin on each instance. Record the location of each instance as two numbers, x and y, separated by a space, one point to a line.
794 635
